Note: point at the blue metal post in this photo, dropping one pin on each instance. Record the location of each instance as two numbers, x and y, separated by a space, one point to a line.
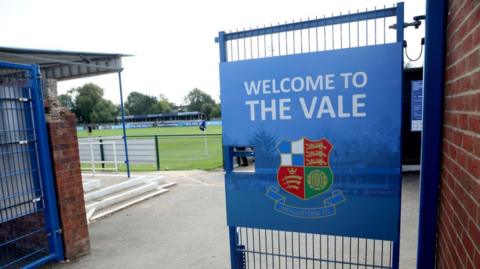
434 71
232 230
221 43
127 162
44 158
400 37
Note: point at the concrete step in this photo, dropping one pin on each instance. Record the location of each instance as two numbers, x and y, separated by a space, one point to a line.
125 199
106 201
127 203
91 185
127 184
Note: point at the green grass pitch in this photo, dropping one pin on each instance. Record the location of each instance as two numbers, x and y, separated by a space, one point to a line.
176 152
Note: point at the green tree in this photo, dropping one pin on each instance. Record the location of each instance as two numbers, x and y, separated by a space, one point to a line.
103 111
66 100
89 105
164 104
207 110
141 104
196 98
216 112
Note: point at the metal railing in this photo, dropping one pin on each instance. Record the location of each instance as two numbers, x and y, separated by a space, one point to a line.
151 152
261 248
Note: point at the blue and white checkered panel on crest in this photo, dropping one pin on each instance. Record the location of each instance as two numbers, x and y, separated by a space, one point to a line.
291 153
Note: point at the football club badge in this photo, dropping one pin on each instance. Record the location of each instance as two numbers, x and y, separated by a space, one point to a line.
305 173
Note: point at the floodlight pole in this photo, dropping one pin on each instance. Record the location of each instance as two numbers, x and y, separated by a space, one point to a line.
123 123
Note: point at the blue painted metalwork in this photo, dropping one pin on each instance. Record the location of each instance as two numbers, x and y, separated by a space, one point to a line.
28 208
434 72
127 162
269 248
400 39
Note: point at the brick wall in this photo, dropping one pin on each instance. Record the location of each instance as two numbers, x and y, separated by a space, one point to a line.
459 216
68 178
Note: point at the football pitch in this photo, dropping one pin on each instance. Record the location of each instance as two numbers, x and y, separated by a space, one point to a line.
188 130
179 148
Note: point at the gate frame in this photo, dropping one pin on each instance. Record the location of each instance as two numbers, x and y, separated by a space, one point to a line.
52 221
223 37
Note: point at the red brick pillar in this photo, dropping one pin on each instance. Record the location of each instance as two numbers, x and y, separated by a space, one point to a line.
68 180
459 213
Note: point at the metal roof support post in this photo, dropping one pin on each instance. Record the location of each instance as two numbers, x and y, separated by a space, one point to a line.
430 173
127 162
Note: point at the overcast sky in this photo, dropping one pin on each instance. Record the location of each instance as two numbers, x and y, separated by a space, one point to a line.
173 41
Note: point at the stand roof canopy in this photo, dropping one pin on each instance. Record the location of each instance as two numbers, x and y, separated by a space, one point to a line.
65 65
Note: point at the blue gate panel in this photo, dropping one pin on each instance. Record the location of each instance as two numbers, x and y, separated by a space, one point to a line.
28 222
287 108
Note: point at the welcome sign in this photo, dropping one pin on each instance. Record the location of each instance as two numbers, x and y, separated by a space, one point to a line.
325 128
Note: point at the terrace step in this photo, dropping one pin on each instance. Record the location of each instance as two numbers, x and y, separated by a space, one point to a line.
106 191
91 185
124 199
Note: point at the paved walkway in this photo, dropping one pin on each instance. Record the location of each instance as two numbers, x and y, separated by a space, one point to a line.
186 228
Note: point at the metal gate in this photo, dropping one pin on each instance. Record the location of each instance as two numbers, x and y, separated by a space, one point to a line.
29 225
264 248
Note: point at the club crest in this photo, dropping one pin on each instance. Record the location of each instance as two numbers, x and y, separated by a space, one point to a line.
305 167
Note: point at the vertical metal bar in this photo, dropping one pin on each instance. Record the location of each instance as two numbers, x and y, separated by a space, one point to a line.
286 42
366 30
279 244
285 237
343 251
400 37
384 27
375 27
279 43
51 211
271 41
358 31
115 160
341 33
333 36
301 39
328 251
221 45
400 22
251 46
294 43
324 34
244 47
232 232
258 46
434 72
124 129
157 152
374 243
313 249
316 35
247 247
264 44
349 33
102 153
92 155
273 252
253 247
259 247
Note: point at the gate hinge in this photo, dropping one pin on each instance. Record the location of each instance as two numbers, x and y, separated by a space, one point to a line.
23 142
36 200
23 99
